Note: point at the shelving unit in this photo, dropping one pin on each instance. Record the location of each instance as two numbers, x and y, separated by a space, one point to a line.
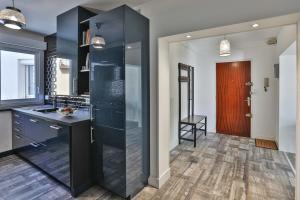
84 49
72 46
192 123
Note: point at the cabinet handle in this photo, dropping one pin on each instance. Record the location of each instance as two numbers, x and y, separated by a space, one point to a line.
18 123
55 127
92 112
18 137
92 135
74 86
16 129
35 145
33 120
17 115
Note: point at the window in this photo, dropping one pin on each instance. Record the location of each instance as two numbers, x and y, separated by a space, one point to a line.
19 76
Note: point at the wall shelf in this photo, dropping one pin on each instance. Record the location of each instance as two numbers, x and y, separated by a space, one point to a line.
84 45
85 70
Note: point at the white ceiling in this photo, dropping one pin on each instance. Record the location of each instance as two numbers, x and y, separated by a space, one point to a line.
239 40
41 14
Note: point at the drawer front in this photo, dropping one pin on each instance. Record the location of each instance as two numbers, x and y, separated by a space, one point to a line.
20 142
18 123
43 143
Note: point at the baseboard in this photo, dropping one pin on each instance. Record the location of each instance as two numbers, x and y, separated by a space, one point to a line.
6 153
159 182
292 167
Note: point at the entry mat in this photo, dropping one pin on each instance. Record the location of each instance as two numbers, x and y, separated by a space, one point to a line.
268 144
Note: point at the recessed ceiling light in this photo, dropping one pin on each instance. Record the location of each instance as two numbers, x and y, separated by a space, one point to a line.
129 47
188 36
255 25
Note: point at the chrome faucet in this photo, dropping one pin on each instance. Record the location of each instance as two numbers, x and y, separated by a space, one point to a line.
54 102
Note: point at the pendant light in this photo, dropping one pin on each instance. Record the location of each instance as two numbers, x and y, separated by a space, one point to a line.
98 41
225 49
12 17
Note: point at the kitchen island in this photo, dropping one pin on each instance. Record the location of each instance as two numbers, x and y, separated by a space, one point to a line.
59 146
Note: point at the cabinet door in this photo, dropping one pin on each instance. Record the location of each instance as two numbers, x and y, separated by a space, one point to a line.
55 156
67 43
20 142
46 146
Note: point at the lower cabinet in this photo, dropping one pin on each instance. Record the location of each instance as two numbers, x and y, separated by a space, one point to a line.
61 151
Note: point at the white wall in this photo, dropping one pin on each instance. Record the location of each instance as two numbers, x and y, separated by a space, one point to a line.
5 131
179 52
287 99
204 59
297 188
286 36
62 77
170 17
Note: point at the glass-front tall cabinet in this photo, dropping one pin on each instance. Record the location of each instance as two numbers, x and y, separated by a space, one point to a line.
119 89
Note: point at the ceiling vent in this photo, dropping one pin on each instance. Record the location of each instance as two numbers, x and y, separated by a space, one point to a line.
272 41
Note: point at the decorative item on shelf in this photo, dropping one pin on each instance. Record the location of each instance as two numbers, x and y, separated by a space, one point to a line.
84 69
88 37
225 49
66 111
12 17
84 38
87 60
98 41
64 63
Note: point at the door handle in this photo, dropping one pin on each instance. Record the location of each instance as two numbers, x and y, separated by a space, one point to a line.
248 100
249 115
18 123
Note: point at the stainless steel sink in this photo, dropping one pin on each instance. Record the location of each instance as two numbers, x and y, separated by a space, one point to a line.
46 110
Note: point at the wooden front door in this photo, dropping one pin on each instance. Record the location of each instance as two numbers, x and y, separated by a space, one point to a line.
233 98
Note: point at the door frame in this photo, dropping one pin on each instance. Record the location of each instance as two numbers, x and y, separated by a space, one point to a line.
251 74
160 139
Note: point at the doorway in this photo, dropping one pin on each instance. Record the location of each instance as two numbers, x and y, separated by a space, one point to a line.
233 93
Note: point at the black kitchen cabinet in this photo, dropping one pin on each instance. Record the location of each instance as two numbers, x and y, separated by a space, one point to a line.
69 46
60 150
119 89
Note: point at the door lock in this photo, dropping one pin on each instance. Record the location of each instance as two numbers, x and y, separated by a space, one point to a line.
248 100
249 83
249 115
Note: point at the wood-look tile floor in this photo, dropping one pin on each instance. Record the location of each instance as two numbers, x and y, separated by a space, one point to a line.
220 168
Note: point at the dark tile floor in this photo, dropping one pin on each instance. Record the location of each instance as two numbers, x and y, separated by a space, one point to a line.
221 167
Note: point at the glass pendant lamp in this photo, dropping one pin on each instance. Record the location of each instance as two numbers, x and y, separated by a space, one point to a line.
225 49
12 17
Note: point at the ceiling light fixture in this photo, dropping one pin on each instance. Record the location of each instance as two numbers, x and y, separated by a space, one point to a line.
98 41
225 49
12 17
255 25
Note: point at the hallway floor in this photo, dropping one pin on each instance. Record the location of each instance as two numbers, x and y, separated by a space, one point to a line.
221 167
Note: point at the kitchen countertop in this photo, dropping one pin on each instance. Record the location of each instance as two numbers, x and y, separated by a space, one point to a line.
81 115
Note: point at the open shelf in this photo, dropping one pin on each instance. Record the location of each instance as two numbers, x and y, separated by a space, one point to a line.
85 21
84 70
84 45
